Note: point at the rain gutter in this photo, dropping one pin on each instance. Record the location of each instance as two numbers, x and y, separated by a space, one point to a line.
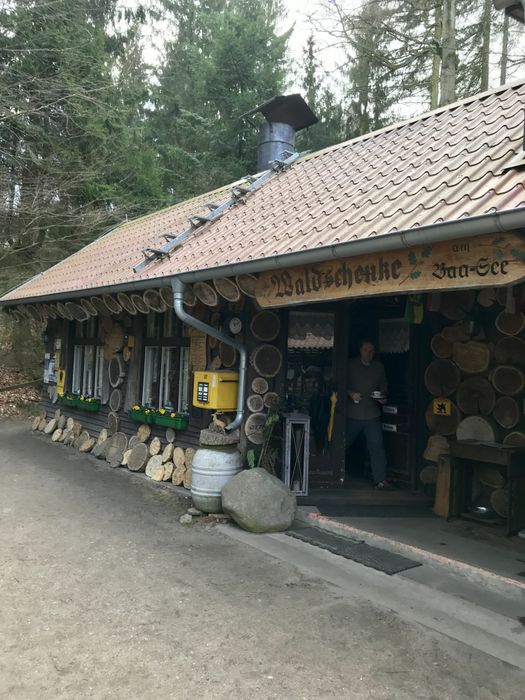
178 288
495 222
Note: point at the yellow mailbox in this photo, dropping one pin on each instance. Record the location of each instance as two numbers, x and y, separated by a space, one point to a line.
61 381
215 390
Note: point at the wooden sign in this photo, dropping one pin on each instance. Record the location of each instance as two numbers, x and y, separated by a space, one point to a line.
442 407
491 260
198 355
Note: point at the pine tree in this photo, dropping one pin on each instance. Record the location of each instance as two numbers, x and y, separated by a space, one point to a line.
329 111
225 59
65 134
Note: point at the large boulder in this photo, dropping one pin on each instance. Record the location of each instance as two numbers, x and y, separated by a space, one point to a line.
259 502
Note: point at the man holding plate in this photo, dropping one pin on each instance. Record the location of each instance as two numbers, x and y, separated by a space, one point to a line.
367 388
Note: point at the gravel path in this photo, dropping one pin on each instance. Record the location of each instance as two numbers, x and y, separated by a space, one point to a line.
106 595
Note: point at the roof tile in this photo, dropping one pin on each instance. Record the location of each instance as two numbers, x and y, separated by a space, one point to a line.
445 166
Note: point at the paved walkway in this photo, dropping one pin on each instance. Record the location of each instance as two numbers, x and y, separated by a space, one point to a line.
106 595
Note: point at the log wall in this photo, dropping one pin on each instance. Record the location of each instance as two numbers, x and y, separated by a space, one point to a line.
484 378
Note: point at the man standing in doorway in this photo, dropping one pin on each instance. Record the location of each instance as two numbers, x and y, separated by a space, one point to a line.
367 389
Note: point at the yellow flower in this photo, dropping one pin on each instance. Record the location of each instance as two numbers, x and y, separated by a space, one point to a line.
172 415
162 411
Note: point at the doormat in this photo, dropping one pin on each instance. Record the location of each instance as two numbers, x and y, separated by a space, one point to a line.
388 562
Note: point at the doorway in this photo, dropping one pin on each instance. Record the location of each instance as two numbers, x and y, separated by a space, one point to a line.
382 320
310 378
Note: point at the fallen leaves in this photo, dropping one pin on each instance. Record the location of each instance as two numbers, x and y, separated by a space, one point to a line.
13 401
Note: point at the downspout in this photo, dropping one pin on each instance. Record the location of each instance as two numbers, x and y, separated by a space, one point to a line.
178 288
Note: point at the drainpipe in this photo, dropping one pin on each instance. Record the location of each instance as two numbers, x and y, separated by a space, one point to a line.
178 288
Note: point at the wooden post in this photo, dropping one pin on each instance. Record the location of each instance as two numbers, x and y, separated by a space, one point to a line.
441 503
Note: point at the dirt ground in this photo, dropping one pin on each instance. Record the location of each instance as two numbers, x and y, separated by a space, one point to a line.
106 595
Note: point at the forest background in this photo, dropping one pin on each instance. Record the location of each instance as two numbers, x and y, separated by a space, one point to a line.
94 132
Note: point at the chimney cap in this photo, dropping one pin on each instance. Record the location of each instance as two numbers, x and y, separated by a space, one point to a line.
286 109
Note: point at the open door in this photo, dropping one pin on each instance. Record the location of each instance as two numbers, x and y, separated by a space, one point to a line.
310 382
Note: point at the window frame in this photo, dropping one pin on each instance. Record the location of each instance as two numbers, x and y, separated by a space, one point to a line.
168 335
88 362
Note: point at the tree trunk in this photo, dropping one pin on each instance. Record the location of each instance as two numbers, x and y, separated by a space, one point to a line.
448 54
179 459
479 428
510 324
436 58
437 445
515 438
499 500
507 412
456 305
428 475
178 474
455 334
504 51
442 425
442 377
476 396
510 350
508 380
189 454
486 22
441 347
155 468
472 357
489 476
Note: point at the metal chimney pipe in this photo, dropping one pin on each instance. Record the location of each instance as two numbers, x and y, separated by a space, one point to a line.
274 139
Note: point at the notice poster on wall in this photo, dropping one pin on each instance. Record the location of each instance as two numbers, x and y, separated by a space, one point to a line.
47 357
198 354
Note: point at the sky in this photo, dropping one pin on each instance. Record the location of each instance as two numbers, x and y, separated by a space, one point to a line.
297 16
298 13
329 56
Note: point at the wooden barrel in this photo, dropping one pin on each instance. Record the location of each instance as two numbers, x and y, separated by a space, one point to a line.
211 470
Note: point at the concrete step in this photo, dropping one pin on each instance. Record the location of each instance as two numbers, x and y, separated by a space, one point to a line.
488 573
465 617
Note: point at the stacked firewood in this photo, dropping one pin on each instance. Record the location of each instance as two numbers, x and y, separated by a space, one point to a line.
484 381
138 453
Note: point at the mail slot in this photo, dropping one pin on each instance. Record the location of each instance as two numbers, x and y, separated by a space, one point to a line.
215 390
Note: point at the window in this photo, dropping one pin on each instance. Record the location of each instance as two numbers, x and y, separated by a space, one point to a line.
88 360
166 377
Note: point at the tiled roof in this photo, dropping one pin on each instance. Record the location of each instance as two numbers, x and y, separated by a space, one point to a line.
441 167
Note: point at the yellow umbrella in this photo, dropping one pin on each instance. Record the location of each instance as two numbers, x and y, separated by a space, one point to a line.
333 401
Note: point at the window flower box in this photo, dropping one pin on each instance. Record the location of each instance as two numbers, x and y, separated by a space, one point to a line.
177 421
69 400
141 415
88 404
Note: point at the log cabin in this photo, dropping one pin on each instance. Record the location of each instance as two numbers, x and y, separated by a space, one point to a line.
412 236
